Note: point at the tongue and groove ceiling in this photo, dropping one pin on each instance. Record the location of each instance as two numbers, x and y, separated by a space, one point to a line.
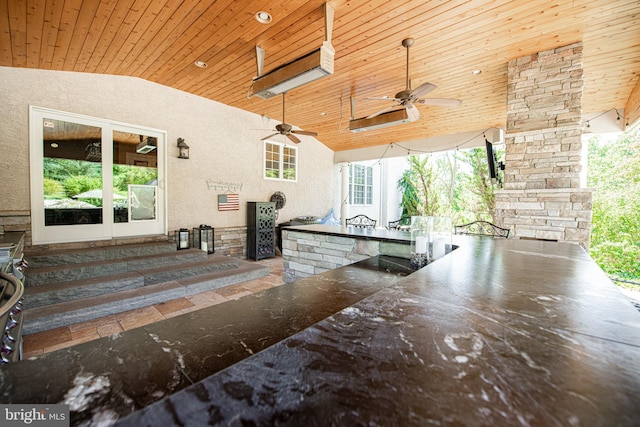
159 40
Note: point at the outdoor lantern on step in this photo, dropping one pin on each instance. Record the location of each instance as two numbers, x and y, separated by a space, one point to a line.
203 238
182 238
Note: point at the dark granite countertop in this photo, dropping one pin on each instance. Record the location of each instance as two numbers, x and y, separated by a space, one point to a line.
379 234
498 332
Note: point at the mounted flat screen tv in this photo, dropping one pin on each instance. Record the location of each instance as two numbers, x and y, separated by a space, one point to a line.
493 164
491 161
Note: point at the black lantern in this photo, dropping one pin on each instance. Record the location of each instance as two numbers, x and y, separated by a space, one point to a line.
183 149
182 238
203 238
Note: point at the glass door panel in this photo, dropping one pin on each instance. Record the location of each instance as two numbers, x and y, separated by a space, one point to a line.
72 173
138 203
135 163
93 179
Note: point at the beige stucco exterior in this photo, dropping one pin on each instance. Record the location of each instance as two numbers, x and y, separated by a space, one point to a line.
225 145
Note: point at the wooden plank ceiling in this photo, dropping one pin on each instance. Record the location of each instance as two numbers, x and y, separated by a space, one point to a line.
159 40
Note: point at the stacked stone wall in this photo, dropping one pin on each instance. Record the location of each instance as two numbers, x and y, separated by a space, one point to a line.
542 198
16 221
231 241
306 254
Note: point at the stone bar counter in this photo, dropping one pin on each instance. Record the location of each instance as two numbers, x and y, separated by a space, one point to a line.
314 249
498 332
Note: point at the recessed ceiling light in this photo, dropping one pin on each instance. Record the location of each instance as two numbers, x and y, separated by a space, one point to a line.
54 145
263 17
476 72
200 64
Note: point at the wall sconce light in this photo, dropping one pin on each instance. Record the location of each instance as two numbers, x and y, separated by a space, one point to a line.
184 149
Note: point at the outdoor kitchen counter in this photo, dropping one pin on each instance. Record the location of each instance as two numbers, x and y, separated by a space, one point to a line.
498 332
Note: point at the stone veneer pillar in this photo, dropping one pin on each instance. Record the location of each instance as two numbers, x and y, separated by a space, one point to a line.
541 197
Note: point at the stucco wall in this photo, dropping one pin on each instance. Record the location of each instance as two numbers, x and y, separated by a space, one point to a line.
225 144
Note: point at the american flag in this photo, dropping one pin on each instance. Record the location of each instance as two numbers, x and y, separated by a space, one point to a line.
228 202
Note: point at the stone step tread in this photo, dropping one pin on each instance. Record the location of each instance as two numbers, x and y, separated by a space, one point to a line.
65 313
131 260
93 281
68 306
66 256
211 260
161 262
36 296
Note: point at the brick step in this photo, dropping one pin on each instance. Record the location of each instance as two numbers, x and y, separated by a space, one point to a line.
85 270
52 316
37 296
48 258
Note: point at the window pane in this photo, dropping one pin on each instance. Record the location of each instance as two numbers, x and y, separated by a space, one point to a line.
135 160
280 161
272 160
289 163
72 173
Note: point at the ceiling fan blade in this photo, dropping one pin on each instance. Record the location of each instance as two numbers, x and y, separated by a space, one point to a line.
270 136
304 132
423 89
293 138
440 102
382 111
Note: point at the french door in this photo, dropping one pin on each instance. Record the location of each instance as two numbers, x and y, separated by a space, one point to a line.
94 179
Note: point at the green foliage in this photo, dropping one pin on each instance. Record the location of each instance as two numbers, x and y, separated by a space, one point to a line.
80 183
53 189
415 184
289 173
60 169
123 175
614 175
455 185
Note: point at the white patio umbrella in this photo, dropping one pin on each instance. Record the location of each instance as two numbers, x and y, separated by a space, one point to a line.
96 194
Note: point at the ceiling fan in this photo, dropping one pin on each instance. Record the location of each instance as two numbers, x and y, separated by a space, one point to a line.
408 97
287 130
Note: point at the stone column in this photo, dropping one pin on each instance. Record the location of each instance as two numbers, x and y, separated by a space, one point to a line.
541 197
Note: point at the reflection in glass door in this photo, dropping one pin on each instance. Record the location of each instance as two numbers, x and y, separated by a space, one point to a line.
94 179
135 180
72 173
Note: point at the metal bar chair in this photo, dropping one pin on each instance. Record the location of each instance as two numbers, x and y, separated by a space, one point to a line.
361 221
482 228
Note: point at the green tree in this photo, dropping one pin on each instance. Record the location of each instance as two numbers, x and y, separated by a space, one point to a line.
614 174
123 175
80 183
53 189
417 185
479 190
455 185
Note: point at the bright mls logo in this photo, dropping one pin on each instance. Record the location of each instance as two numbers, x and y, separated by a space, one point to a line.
34 415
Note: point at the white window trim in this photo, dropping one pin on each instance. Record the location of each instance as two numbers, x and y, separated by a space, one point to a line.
281 148
368 174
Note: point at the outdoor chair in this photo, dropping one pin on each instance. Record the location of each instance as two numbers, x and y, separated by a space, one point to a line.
399 224
482 228
361 221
